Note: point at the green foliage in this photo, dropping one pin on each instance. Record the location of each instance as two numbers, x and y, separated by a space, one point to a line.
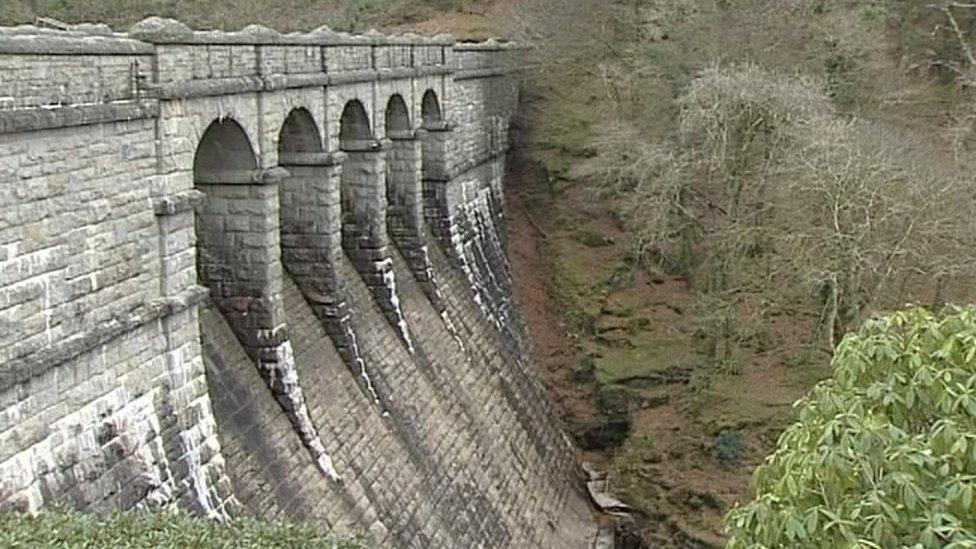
884 453
729 448
158 529
563 293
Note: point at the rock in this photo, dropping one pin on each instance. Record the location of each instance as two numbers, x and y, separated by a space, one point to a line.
155 28
606 503
260 31
592 473
605 538
100 29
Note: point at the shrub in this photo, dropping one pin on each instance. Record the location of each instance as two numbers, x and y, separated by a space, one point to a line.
585 371
157 529
612 401
729 448
884 453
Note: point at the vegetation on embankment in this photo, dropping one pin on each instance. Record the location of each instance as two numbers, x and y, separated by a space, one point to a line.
729 189
159 529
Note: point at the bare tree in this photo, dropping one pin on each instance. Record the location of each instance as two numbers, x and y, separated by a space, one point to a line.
775 195
861 212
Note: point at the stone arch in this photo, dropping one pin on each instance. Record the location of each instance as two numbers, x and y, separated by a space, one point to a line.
397 116
299 133
223 156
404 198
354 126
224 145
434 164
430 109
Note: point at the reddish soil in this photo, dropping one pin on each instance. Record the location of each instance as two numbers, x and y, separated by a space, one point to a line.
552 344
477 20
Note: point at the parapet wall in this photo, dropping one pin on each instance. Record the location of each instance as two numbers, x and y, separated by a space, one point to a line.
260 274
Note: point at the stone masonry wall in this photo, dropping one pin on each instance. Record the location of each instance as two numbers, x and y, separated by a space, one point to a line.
205 303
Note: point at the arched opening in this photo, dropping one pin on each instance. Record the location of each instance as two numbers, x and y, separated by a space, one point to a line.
224 145
299 133
397 116
434 164
430 109
354 126
311 231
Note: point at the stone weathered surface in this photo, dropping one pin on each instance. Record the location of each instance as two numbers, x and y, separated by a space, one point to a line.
219 292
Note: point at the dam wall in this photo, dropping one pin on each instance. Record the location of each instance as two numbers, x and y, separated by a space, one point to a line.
256 274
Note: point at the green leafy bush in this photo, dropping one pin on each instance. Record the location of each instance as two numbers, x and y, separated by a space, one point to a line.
884 453
158 529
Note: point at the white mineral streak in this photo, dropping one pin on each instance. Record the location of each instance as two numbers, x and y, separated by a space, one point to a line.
429 270
495 242
448 323
470 210
389 280
190 441
486 237
452 329
354 348
156 474
132 426
284 371
461 250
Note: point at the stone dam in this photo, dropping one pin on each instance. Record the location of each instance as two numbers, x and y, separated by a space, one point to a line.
256 274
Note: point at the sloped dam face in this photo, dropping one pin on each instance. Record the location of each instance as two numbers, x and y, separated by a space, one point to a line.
254 274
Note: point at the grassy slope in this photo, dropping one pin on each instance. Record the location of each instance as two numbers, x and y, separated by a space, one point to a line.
158 529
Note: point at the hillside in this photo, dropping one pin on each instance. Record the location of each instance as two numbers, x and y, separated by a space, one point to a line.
676 390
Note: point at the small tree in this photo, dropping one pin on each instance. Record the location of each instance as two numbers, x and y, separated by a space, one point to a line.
884 453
